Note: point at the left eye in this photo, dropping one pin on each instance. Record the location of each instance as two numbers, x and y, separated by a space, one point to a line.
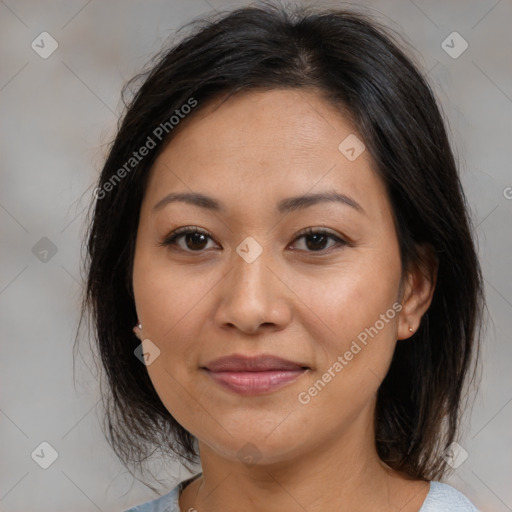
319 238
195 240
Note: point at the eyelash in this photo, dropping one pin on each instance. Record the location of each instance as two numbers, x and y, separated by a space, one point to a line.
181 232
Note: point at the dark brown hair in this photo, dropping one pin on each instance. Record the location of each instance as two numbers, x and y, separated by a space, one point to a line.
359 68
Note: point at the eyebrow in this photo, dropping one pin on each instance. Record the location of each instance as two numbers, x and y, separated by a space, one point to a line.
284 206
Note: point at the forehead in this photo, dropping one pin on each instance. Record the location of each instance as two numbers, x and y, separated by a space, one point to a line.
263 145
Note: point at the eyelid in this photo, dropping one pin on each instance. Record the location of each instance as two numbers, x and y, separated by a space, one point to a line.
341 241
319 230
183 231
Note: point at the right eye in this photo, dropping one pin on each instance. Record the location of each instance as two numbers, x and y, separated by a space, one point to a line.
194 238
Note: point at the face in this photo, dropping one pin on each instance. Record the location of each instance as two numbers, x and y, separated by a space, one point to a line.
248 281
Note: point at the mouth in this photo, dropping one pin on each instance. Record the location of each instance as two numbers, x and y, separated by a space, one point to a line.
254 375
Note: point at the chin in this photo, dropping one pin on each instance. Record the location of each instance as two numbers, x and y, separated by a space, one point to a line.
257 448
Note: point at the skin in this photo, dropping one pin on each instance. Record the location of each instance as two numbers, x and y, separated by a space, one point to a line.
301 299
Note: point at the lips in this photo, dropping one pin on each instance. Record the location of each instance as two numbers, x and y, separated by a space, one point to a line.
236 363
253 375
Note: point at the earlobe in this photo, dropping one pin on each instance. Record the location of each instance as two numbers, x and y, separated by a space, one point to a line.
138 331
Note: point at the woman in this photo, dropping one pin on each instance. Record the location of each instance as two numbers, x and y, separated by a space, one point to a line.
281 219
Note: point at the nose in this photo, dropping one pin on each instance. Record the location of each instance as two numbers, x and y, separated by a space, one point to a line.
254 297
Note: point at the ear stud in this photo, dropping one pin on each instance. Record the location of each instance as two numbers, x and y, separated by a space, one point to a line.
411 329
136 330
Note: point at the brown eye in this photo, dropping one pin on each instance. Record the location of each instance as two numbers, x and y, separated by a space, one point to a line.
194 240
316 240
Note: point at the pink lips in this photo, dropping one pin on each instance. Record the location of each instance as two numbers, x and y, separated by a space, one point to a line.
253 375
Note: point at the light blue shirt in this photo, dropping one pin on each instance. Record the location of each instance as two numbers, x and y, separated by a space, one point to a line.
440 498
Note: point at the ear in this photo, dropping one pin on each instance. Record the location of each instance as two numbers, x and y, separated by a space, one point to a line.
420 282
137 332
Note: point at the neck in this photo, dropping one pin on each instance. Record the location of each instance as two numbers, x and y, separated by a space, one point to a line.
340 473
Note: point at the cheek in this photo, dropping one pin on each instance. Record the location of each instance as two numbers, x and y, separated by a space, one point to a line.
357 336
167 301
351 298
357 314
172 305
165 294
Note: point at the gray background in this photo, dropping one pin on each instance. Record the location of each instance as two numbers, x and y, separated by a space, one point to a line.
58 114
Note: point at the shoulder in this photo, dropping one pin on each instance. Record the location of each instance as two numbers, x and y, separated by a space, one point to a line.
167 503
440 497
445 498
